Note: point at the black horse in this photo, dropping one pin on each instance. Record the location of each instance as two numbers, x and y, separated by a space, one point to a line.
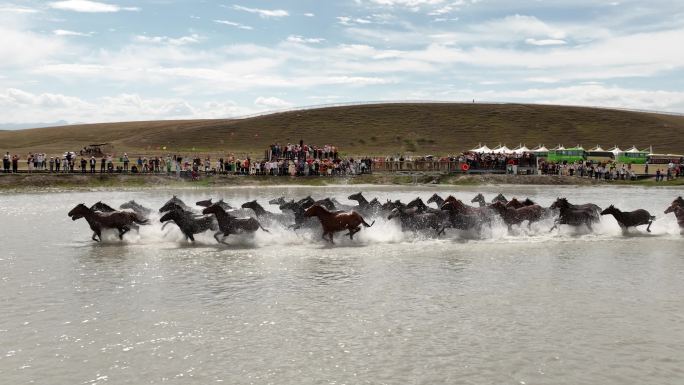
364 206
298 209
261 213
189 223
412 219
229 224
208 202
627 219
102 207
137 208
174 201
480 199
575 215
438 200
678 212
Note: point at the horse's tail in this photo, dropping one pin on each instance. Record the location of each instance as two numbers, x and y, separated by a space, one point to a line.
653 217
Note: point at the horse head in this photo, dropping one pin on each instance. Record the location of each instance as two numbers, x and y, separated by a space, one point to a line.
610 210
355 197
205 203
560 203
314 210
78 212
478 198
434 198
277 201
102 207
249 205
214 209
171 206
168 216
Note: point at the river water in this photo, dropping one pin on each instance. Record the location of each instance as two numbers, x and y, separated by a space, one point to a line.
530 307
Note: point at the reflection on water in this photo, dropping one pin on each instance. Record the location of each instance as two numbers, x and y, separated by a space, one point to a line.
522 307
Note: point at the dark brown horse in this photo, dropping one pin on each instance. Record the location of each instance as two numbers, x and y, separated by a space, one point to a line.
679 202
627 219
575 215
515 216
678 212
454 204
516 204
121 220
208 202
415 220
335 221
229 224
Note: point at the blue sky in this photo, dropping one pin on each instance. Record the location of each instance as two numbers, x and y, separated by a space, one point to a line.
88 61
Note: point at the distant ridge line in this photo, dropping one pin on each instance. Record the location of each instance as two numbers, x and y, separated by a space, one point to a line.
381 102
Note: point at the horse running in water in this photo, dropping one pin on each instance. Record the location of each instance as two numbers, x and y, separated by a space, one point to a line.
174 201
188 223
364 205
137 208
208 202
334 221
575 215
438 200
414 220
516 204
480 199
229 224
678 212
102 207
98 221
627 219
261 213
515 216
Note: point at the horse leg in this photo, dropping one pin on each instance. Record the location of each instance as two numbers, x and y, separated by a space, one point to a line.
555 224
190 236
649 226
217 238
122 231
95 234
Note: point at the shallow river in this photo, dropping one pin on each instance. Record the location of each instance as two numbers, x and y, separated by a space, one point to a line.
530 307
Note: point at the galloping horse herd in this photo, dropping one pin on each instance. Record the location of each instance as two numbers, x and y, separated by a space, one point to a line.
333 216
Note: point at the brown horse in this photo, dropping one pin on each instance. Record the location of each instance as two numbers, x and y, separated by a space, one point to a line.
516 204
454 204
514 216
334 221
123 221
678 212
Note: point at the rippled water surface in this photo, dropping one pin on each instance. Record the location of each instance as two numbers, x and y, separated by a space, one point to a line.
527 307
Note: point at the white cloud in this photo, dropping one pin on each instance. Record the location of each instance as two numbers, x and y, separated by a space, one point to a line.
21 48
183 40
264 13
17 9
20 106
309 14
346 20
89 6
304 40
271 102
543 42
64 32
234 24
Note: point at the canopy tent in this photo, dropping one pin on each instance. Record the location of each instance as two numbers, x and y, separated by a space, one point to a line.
521 149
615 150
481 149
541 148
559 147
635 150
597 149
502 150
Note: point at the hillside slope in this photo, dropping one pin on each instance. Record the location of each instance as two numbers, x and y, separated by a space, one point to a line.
373 129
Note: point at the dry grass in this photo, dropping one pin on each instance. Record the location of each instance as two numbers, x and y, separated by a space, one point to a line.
372 129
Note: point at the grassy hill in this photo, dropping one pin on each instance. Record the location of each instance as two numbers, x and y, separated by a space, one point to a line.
372 129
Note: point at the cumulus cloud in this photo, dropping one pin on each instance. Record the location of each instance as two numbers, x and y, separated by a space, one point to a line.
304 40
234 24
183 40
264 13
64 32
89 6
271 102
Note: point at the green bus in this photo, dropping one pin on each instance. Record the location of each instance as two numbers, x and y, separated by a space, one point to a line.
569 155
633 156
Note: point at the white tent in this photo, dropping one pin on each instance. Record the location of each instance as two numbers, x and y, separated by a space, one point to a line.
559 147
481 150
477 148
597 149
541 148
615 150
502 150
634 150
521 150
